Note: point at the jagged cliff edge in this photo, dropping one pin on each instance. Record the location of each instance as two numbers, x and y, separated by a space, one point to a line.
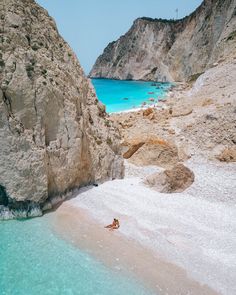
167 50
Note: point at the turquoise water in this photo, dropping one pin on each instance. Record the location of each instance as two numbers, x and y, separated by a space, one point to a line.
125 95
35 261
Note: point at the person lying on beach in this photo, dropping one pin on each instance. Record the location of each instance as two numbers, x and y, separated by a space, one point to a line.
115 224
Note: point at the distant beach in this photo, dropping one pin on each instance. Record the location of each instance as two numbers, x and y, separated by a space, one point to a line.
120 96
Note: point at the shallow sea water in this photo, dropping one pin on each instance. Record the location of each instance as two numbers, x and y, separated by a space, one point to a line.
121 96
33 260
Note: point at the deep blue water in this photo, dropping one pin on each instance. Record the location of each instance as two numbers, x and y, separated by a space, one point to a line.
34 261
121 96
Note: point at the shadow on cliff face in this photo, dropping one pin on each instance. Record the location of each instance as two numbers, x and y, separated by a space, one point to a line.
67 197
3 196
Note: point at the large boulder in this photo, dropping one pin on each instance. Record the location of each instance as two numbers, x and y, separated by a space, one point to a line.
173 180
181 111
147 112
54 134
133 149
154 151
227 155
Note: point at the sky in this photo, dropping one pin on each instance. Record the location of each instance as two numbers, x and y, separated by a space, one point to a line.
89 25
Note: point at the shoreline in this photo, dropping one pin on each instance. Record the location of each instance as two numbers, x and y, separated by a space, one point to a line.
138 109
175 89
144 107
122 255
190 232
151 102
149 81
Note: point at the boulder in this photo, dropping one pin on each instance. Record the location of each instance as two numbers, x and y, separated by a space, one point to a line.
151 116
132 150
173 180
207 102
155 151
147 112
181 111
227 155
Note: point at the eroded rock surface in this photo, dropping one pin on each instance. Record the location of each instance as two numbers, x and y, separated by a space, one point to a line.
156 49
198 120
174 180
152 151
228 155
54 134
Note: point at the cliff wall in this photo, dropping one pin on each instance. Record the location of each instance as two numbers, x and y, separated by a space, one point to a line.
55 136
180 50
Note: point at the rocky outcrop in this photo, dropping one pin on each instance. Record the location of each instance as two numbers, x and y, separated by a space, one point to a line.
227 155
147 112
133 149
54 133
152 151
209 130
172 50
199 121
174 180
180 111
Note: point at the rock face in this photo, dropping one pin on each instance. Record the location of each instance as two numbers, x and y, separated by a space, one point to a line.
133 149
54 133
227 155
156 49
174 180
147 112
152 151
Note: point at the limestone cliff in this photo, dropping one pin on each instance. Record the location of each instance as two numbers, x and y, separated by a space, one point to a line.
54 133
173 50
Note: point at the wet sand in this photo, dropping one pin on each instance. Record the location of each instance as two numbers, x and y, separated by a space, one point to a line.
123 254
